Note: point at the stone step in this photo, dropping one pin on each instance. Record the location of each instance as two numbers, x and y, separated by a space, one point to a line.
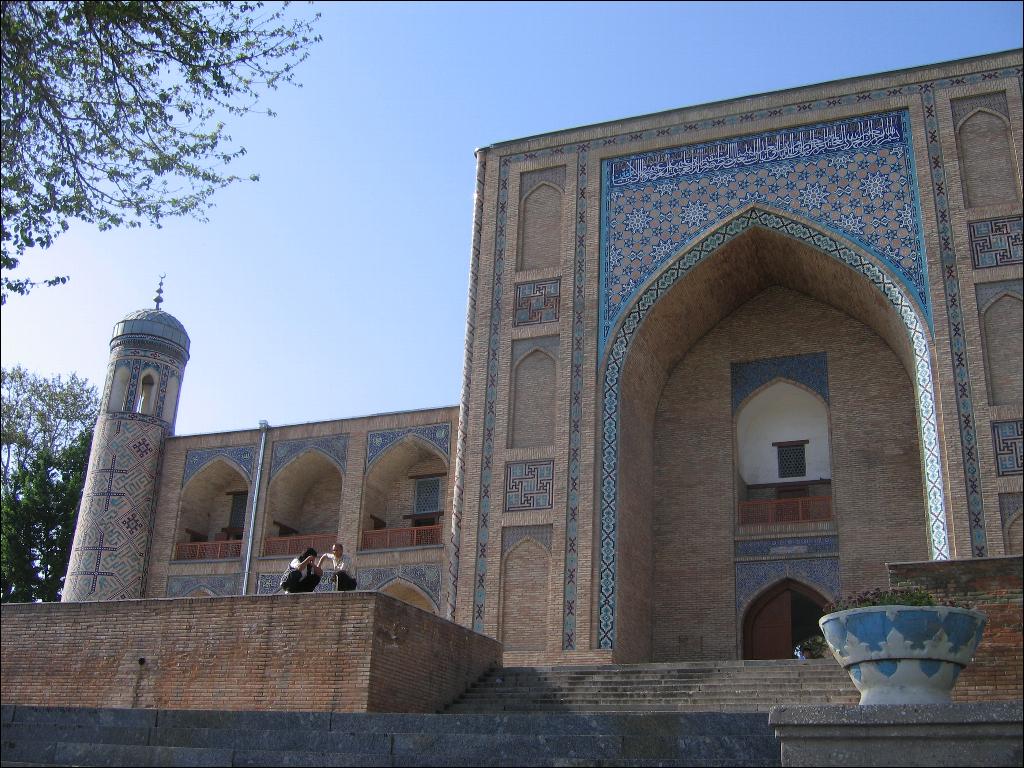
64 736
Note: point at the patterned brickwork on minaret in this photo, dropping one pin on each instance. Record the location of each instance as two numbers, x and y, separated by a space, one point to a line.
148 353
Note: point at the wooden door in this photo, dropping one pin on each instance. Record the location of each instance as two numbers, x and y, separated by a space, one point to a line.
771 629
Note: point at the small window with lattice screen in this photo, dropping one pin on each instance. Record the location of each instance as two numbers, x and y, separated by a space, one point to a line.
792 458
427 502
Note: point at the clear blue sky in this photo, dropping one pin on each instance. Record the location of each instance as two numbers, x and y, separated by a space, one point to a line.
336 286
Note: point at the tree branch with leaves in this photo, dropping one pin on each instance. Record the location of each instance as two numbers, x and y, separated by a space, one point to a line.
113 112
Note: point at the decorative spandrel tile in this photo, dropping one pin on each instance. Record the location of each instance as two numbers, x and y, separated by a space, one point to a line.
996 242
1008 442
334 447
528 485
853 177
537 302
241 455
438 435
810 370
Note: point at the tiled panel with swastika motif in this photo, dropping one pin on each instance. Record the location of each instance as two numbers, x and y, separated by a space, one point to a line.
528 485
995 242
537 302
1009 441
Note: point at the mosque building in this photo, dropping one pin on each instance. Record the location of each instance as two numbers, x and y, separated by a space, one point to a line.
722 364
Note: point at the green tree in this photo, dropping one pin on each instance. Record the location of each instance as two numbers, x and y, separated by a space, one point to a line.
45 432
37 522
112 112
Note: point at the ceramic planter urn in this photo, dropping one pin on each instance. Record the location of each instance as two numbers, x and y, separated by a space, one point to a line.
903 654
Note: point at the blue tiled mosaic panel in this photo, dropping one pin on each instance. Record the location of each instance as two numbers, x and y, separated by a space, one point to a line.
426 576
810 370
334 447
438 435
788 547
513 534
752 577
996 242
428 495
528 485
853 177
537 302
240 455
1009 443
219 585
1010 505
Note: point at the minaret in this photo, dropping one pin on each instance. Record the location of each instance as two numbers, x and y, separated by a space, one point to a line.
148 353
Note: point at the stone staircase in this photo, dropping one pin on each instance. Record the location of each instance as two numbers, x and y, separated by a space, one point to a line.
682 714
723 686
54 736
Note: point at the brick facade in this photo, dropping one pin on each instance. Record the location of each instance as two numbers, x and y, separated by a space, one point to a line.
348 652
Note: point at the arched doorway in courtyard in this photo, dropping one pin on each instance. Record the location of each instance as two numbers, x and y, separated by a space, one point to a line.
784 615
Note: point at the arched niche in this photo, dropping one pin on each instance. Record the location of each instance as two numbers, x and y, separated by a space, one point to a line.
148 392
401 489
525 570
401 589
204 513
1003 338
171 399
304 498
757 259
119 388
540 228
783 615
533 400
782 415
987 164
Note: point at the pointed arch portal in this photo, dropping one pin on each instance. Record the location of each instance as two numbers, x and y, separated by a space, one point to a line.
754 250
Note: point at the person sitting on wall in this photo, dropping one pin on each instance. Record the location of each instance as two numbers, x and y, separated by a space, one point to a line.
303 573
342 564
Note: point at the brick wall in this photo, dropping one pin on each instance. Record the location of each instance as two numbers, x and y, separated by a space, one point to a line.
342 652
993 585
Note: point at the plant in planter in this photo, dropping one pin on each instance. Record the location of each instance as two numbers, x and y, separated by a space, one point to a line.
901 647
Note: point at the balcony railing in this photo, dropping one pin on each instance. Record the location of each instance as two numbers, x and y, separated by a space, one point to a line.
208 550
392 538
803 509
294 545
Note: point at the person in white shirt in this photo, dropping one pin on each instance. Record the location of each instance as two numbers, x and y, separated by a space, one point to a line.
342 564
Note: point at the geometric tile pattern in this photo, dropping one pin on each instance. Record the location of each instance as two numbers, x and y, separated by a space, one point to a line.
924 91
438 435
513 534
1010 506
996 242
821 573
528 485
788 547
537 302
114 521
334 447
853 177
426 576
810 370
987 292
219 585
241 456
458 491
676 271
270 584
1008 443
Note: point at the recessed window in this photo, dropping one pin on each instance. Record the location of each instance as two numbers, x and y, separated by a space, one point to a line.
792 460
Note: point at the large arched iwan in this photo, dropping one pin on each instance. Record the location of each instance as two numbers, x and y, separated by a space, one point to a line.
905 330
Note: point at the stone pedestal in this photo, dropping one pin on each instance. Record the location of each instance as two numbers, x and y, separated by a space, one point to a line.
982 734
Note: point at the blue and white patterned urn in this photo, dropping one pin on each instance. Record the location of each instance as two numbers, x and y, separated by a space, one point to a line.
904 654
